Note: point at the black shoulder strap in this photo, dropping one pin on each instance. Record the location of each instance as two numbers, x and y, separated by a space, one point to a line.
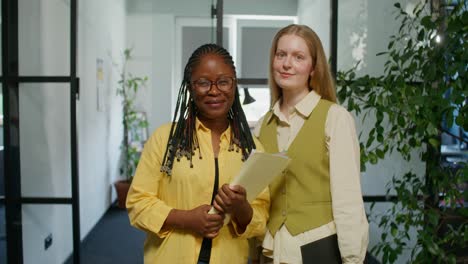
216 182
205 250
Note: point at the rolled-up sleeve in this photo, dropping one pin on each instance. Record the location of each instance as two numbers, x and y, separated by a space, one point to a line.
345 184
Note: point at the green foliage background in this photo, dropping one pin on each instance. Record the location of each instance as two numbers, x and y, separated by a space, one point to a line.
424 84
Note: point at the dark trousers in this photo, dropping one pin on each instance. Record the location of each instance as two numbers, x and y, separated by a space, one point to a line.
324 250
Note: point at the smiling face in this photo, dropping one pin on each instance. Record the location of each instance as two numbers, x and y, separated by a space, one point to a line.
214 104
292 63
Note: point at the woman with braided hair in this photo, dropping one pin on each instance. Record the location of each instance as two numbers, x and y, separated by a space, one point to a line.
186 165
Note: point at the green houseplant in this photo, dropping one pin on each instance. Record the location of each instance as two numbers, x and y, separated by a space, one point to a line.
422 92
132 121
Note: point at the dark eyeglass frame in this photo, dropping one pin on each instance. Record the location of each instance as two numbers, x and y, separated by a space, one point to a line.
199 84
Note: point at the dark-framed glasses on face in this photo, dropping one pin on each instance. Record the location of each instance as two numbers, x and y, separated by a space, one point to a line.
224 84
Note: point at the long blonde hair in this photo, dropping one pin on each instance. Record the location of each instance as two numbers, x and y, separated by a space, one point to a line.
321 81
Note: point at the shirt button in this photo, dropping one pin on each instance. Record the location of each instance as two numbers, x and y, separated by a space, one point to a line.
284 212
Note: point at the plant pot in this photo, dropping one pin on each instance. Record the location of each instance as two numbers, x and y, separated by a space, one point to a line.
121 187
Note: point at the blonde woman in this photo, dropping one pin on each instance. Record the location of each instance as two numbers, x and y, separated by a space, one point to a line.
317 212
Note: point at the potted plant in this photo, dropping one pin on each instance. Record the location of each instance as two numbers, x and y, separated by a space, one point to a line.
420 96
132 122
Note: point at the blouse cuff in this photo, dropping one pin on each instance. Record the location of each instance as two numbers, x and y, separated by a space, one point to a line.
161 217
155 220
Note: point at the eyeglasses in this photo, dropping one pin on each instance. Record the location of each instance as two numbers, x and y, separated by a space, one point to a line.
224 84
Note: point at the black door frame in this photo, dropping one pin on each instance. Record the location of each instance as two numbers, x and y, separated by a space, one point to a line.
11 80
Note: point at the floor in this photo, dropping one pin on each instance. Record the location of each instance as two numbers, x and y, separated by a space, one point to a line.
113 240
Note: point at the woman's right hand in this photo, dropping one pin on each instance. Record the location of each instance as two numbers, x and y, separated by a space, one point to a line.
200 222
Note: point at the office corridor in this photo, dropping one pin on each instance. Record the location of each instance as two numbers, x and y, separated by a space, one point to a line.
112 241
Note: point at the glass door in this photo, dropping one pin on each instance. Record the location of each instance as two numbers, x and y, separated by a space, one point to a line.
40 89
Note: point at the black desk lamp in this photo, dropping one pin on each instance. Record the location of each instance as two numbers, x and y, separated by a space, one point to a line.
248 99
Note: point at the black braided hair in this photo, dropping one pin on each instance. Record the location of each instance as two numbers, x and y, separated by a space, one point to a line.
183 139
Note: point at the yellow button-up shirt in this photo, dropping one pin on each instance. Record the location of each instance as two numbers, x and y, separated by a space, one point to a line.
153 195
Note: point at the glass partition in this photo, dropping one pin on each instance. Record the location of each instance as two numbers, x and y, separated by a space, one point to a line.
364 28
44 38
45 140
48 229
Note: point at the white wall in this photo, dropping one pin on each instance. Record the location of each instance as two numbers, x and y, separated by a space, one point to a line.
151 40
45 123
101 35
317 15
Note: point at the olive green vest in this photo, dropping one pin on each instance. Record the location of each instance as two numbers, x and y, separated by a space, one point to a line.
300 198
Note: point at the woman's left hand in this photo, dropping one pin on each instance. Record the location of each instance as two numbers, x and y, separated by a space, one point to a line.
233 200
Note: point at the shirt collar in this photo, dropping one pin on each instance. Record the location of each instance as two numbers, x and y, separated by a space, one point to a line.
304 107
200 127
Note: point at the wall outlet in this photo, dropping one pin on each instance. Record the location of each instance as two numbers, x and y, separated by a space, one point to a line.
48 241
